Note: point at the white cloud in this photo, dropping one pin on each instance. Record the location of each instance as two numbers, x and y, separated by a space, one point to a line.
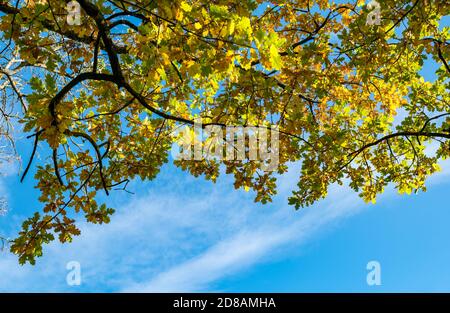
239 251
248 247
183 235
253 242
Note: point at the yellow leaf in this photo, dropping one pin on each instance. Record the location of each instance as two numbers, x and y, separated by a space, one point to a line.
275 58
244 25
185 6
231 26
197 25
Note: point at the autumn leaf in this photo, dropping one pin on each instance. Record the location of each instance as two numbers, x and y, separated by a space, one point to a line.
101 102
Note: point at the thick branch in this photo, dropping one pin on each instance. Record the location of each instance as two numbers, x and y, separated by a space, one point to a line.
7 9
354 154
74 82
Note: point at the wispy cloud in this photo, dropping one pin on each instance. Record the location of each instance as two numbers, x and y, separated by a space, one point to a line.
258 236
237 252
182 235
255 244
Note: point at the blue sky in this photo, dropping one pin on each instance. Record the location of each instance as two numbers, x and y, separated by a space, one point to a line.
180 233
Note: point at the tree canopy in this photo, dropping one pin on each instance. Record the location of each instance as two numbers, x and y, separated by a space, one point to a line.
101 91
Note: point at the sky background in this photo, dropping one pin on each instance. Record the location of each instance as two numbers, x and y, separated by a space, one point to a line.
180 233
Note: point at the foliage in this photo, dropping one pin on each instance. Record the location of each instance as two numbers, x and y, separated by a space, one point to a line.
106 95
